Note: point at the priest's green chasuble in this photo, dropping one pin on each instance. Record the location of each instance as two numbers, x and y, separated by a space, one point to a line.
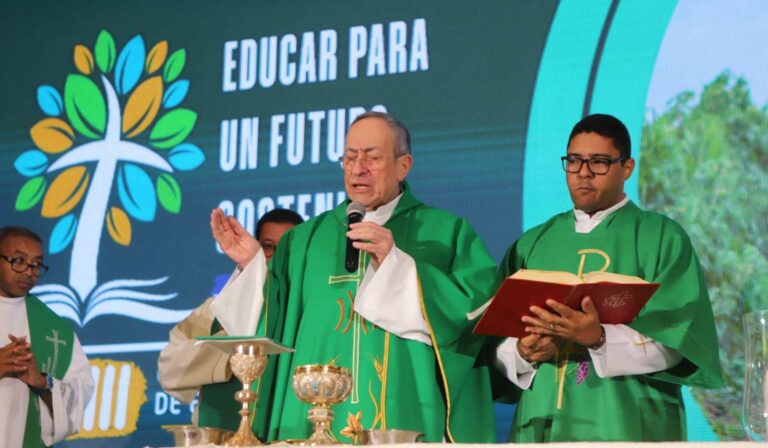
397 383
649 407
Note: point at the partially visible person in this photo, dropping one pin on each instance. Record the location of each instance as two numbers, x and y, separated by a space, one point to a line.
586 381
45 377
183 367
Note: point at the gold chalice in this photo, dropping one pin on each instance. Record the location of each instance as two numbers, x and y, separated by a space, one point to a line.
321 386
248 358
248 363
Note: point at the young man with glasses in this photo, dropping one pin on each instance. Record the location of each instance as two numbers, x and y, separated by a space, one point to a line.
45 378
398 323
586 381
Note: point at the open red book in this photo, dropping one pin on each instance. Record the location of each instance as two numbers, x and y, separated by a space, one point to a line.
618 298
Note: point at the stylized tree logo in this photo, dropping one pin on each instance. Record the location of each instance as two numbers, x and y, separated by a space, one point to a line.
95 139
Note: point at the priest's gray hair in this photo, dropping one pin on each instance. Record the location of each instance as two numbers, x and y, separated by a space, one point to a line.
399 131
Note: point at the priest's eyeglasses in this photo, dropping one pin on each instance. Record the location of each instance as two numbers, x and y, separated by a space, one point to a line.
19 265
366 160
596 165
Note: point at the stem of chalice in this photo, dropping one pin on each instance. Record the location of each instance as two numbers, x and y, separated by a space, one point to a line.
322 386
321 417
248 363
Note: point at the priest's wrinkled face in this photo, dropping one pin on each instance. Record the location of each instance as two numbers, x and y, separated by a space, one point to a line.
19 252
373 170
590 190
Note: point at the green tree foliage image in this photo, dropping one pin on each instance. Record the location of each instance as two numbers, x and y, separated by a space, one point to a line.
704 164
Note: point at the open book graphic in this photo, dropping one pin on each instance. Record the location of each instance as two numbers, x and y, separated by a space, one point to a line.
618 298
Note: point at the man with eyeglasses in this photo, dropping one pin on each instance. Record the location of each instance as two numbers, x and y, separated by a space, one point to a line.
45 378
613 382
397 323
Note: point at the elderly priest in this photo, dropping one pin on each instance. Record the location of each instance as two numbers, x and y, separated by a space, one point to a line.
397 321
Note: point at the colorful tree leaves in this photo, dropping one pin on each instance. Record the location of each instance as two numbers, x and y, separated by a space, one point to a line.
52 135
80 121
169 193
142 106
156 57
173 128
63 233
30 193
85 106
83 59
119 226
49 100
136 192
130 65
175 65
31 163
65 192
105 51
186 157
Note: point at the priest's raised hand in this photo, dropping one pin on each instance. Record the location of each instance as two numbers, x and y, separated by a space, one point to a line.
233 239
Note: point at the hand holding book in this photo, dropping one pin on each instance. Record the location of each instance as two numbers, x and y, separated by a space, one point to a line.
616 298
581 327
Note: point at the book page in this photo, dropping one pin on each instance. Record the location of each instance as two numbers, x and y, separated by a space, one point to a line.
596 277
562 277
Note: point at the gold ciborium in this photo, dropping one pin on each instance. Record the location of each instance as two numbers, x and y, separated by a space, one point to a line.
248 363
321 386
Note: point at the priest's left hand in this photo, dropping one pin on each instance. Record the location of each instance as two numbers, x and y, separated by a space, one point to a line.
372 238
581 327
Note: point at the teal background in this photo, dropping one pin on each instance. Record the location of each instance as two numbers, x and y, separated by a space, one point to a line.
489 119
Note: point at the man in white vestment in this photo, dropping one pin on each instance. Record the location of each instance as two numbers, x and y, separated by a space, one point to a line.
45 378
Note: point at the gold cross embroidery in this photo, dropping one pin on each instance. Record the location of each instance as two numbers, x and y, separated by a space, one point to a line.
642 342
355 319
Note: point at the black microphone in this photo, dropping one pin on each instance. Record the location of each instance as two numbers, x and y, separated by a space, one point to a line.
355 214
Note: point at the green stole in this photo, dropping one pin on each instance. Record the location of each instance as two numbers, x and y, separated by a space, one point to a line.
679 315
52 340
401 383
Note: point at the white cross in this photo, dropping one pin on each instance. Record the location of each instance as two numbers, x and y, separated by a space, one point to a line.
56 342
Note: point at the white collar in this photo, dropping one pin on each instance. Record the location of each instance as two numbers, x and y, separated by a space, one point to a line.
382 214
11 301
586 223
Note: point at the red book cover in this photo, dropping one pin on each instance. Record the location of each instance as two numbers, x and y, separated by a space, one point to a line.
616 303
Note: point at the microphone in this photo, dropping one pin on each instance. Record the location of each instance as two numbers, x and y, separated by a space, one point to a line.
355 214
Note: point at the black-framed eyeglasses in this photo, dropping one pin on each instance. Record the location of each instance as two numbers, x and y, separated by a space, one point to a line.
595 165
19 265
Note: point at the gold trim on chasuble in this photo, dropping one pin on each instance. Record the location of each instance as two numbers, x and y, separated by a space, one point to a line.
355 322
256 385
439 363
